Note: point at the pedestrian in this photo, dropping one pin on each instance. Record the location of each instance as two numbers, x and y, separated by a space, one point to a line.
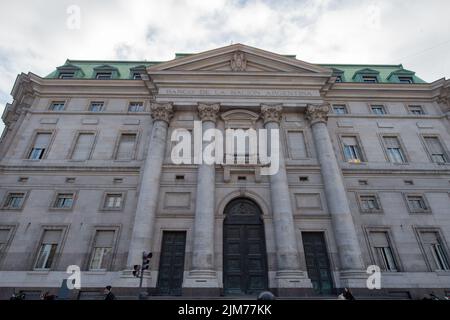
48 296
348 294
108 293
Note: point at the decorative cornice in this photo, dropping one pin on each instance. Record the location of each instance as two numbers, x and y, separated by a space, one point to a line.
317 113
161 111
208 112
271 113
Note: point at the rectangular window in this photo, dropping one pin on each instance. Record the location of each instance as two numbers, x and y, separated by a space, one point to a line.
83 146
136 107
369 79
66 75
137 76
297 146
384 256
57 106
338 79
47 249
14 200
369 203
434 251
103 76
417 203
125 149
378 109
64 201
435 150
416 110
96 106
102 250
339 109
4 237
40 145
405 79
352 150
394 150
113 201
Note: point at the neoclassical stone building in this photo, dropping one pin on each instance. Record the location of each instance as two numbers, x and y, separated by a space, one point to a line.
86 178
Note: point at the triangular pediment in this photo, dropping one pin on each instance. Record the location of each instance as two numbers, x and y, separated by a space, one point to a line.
238 58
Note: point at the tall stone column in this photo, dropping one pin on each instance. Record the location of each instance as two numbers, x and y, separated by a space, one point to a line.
288 274
338 206
144 221
202 275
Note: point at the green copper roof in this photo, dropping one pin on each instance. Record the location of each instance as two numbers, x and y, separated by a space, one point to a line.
86 69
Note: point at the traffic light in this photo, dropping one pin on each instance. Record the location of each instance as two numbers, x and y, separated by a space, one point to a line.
136 270
146 260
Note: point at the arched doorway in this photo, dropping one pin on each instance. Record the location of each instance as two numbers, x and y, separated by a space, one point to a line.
244 248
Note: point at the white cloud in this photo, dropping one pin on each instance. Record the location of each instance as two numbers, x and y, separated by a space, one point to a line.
34 37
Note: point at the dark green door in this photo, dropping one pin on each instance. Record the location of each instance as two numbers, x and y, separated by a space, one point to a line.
317 262
171 264
244 249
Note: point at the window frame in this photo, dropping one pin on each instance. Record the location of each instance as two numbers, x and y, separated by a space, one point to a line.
382 105
344 105
12 231
144 107
6 198
387 230
375 77
404 151
97 73
90 102
359 196
103 206
423 137
89 256
29 148
74 144
341 136
418 230
135 147
61 73
52 102
53 206
61 242
411 210
421 106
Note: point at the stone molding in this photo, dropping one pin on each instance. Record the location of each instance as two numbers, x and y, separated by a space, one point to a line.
208 112
317 113
238 62
271 113
161 111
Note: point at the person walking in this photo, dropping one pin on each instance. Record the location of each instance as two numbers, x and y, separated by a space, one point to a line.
348 294
108 293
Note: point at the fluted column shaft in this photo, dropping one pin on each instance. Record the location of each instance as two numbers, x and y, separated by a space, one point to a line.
338 206
144 221
203 244
283 220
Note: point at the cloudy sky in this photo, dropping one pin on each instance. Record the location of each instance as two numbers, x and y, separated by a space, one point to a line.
37 36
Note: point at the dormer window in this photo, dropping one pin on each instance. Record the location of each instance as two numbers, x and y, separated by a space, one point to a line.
103 76
369 79
66 75
405 79
137 76
338 79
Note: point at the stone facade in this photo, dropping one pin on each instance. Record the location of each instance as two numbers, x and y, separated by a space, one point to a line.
349 195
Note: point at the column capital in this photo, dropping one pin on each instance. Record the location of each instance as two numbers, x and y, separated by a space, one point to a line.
271 113
208 112
161 111
317 113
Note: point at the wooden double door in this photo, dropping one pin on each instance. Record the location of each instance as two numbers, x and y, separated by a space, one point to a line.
244 249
